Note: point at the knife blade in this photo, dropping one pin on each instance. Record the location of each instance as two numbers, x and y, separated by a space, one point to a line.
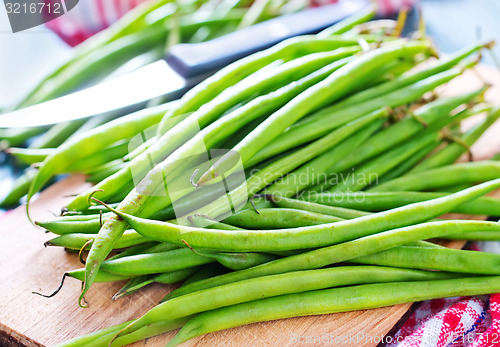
185 66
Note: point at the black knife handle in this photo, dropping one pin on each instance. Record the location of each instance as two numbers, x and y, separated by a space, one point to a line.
200 58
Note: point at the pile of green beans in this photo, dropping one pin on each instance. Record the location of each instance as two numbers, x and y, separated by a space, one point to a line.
339 170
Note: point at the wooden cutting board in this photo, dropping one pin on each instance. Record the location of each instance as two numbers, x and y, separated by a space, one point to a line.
26 266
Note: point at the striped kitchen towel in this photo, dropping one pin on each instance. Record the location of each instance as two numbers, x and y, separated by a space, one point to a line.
453 322
92 16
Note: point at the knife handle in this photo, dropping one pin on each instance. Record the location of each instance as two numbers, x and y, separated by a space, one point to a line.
199 58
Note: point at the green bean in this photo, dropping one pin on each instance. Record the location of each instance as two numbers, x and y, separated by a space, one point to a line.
186 131
318 208
205 222
57 134
77 241
20 188
137 283
161 247
206 271
324 120
237 71
89 338
104 337
444 259
92 142
381 201
236 261
135 250
305 175
404 167
452 152
63 226
104 171
193 200
349 23
282 218
337 85
17 136
102 276
333 300
443 176
369 173
277 285
476 236
115 151
113 228
144 264
29 156
91 66
306 237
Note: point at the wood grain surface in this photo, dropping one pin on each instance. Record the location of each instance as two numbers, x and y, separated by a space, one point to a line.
26 266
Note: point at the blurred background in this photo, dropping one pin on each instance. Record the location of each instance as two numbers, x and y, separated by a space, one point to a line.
27 56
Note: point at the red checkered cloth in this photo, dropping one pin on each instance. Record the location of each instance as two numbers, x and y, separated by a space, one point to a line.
92 16
452 322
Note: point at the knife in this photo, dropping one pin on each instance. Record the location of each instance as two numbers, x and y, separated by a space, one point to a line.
185 66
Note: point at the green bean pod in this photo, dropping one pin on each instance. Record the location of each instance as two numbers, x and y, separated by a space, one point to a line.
282 218
17 136
102 276
410 77
444 176
305 237
443 259
349 22
475 236
381 201
314 207
236 261
346 299
281 167
275 286
29 156
405 166
92 142
205 222
57 134
20 188
144 264
135 284
77 241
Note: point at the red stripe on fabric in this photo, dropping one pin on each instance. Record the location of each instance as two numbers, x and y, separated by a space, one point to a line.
101 12
118 8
